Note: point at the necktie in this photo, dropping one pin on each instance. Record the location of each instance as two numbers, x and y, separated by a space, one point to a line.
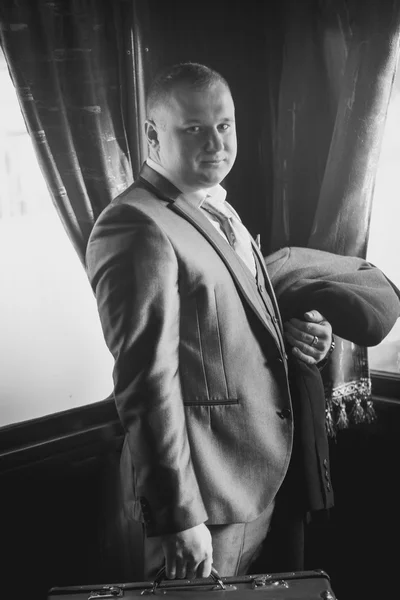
236 233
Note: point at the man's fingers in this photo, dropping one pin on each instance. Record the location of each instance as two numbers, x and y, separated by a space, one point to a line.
305 337
191 571
170 567
310 360
306 343
314 316
181 569
306 331
306 353
204 569
310 339
185 550
298 328
309 354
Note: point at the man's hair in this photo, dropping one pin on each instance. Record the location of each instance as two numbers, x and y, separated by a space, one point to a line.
193 74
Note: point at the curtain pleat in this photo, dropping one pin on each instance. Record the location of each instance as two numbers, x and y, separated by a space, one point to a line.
78 77
338 65
342 215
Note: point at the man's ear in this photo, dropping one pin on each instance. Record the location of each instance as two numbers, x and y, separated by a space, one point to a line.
151 133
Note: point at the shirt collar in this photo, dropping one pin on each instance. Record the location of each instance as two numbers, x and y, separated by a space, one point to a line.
217 192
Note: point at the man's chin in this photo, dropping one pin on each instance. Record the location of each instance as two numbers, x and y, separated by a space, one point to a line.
213 175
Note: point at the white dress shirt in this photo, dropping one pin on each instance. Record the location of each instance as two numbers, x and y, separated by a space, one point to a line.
217 196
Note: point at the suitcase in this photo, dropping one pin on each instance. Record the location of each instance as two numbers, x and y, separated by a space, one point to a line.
301 585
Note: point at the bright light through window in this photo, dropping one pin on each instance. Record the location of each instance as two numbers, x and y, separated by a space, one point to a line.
384 241
52 353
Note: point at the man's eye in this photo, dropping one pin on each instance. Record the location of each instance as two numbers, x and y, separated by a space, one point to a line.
224 126
193 129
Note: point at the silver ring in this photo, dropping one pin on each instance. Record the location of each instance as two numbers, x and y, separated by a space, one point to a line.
314 341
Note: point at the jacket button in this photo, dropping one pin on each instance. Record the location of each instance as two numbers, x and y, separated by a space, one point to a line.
284 413
325 462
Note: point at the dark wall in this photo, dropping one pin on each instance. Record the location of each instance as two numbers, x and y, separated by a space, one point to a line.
357 546
61 519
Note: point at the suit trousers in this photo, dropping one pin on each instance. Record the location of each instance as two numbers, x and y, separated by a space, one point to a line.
235 546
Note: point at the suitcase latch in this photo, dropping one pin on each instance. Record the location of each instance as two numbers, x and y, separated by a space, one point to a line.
267 581
108 591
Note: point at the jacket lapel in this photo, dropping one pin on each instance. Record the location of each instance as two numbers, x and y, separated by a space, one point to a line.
239 271
158 184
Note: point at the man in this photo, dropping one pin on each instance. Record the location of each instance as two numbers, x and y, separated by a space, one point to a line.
190 317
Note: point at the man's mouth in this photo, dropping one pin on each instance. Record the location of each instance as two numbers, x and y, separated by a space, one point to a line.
213 161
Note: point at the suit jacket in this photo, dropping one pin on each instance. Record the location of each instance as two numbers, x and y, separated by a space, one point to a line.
362 305
356 297
200 377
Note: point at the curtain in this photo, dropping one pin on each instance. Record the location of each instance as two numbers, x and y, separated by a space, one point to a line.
338 64
77 67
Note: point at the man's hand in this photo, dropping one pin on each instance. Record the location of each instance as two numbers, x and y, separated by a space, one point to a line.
188 553
311 338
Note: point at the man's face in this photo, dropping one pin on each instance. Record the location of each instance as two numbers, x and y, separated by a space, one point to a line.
194 135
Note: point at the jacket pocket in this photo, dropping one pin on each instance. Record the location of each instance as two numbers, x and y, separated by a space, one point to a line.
202 370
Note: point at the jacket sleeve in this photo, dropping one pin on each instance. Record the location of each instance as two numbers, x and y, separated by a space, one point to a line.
133 271
356 297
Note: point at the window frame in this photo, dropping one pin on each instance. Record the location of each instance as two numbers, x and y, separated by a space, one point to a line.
385 385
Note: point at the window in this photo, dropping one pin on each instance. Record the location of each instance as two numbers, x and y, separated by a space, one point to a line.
52 353
384 240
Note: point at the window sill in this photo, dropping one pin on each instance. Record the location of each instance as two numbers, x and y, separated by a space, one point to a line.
385 385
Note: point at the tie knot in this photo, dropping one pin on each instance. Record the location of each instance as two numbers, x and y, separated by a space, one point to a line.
215 207
236 234
222 217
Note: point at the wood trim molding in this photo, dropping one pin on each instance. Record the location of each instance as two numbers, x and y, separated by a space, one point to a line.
90 430
81 431
385 385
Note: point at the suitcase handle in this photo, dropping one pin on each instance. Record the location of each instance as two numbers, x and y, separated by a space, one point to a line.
161 576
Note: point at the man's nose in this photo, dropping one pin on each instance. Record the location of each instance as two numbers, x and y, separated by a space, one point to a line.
214 142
